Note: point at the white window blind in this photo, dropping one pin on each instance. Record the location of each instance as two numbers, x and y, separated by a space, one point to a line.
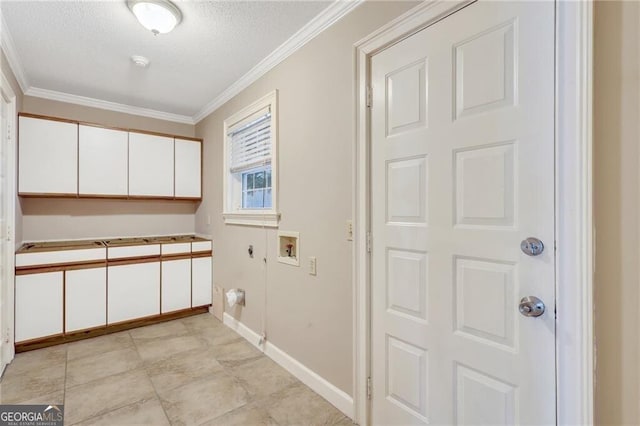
250 141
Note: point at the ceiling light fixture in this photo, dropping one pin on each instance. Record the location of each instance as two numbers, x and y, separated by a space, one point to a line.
158 16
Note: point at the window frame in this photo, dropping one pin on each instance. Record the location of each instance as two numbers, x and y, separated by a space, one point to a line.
233 213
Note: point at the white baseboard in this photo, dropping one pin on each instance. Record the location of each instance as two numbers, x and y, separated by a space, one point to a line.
340 399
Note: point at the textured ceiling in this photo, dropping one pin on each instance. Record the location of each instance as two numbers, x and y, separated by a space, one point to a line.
83 48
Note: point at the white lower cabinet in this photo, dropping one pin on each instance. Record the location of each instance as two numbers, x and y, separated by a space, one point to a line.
38 308
86 299
134 291
201 281
176 285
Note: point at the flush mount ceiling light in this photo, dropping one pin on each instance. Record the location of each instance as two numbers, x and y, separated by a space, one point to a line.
158 16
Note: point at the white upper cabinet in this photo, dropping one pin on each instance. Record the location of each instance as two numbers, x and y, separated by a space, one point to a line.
59 157
102 161
150 165
188 168
48 157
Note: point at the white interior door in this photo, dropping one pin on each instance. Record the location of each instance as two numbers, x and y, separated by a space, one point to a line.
4 244
7 220
462 128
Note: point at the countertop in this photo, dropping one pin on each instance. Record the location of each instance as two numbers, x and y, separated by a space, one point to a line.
37 247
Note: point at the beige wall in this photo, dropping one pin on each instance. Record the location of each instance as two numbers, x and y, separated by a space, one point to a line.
107 118
309 317
617 211
8 73
56 219
62 219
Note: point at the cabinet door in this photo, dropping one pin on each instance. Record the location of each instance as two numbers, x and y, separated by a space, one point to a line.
48 157
188 169
176 285
38 305
102 161
150 165
86 299
201 281
133 291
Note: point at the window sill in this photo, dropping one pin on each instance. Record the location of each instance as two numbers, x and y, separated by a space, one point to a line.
256 218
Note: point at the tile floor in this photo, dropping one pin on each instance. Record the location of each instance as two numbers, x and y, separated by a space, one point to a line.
192 371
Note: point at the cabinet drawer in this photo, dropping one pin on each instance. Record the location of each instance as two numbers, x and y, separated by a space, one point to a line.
200 246
176 248
61 256
133 251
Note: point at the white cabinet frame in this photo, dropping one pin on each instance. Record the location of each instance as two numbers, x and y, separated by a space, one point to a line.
47 157
103 158
151 164
188 169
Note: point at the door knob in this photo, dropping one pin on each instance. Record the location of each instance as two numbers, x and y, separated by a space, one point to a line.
531 306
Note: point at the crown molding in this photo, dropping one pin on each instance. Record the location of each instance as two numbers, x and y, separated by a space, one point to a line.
9 49
111 106
332 14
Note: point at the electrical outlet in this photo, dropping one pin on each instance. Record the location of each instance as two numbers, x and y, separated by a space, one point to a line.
312 265
349 230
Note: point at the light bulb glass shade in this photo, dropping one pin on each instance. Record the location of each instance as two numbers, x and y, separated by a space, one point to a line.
158 16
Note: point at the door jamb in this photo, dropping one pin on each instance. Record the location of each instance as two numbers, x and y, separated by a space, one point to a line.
7 288
574 202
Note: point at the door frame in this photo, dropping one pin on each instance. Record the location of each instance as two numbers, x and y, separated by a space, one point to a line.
7 288
573 195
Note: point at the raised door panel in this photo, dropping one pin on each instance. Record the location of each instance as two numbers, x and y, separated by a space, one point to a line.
201 281
188 169
133 291
102 161
85 299
39 304
150 165
176 285
48 157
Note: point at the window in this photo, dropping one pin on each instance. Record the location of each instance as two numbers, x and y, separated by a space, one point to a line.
250 166
256 188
